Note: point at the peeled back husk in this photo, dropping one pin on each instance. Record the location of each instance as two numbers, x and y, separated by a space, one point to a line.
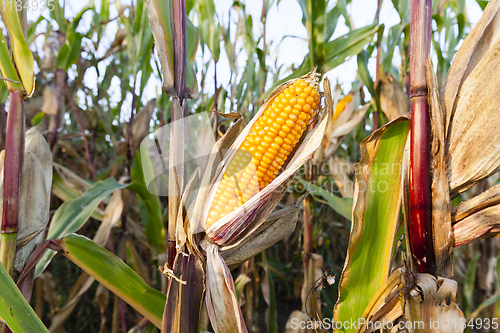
34 196
431 304
470 98
227 229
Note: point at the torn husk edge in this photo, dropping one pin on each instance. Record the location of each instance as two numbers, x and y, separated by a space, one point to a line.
221 300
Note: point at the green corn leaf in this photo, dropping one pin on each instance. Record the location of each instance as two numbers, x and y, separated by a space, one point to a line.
314 18
343 206
160 13
375 219
8 69
115 275
71 48
14 309
149 207
73 214
337 51
363 72
21 53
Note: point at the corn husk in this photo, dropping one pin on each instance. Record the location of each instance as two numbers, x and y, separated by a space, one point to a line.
385 304
227 229
346 122
394 102
34 196
222 304
470 98
431 301
140 125
278 225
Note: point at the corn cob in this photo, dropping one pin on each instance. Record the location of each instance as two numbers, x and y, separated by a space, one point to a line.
265 149
341 106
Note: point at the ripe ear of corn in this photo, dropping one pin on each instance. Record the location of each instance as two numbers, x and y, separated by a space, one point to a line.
266 147
341 106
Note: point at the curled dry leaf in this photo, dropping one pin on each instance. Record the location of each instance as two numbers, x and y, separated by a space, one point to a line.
222 303
278 225
471 96
484 223
393 100
49 106
431 303
34 196
140 125
340 170
441 207
385 304
488 198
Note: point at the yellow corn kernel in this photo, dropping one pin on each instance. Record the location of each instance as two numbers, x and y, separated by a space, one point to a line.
265 149
341 106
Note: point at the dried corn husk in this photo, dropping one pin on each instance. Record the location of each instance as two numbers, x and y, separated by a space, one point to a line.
49 106
227 229
140 125
278 225
427 302
338 128
394 102
470 97
222 303
34 196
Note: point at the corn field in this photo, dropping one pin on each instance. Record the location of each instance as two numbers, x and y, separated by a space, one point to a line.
250 166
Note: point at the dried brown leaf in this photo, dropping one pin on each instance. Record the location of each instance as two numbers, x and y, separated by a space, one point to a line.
393 100
441 206
278 225
222 304
478 41
140 125
49 106
485 223
432 302
472 142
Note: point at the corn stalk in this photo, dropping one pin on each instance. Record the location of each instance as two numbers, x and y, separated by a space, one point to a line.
420 205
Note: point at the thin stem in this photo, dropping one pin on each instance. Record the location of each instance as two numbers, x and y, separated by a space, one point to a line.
420 221
176 173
